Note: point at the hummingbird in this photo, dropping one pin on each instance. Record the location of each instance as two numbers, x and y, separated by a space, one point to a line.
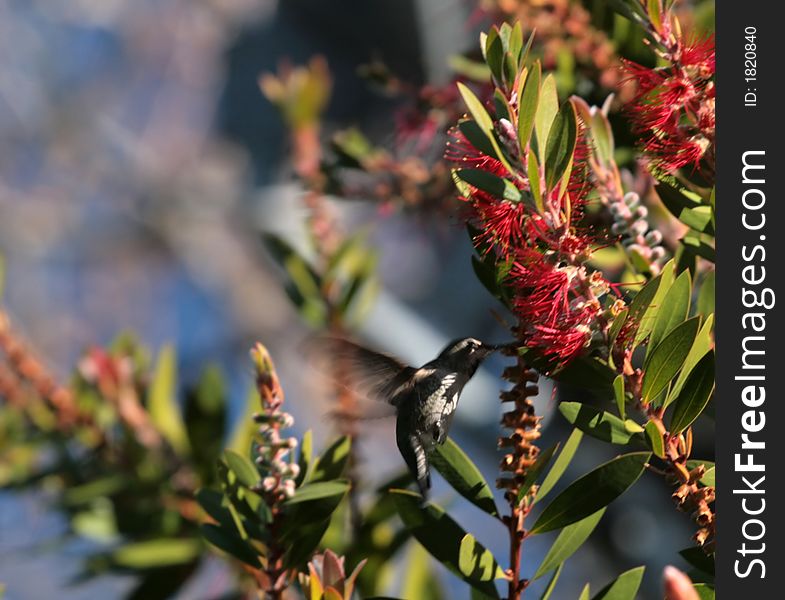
425 398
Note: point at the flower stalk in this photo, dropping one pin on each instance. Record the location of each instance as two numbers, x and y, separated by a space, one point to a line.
521 454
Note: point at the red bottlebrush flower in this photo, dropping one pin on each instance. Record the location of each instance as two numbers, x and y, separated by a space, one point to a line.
556 305
672 110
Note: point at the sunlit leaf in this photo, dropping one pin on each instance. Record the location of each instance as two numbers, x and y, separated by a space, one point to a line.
624 587
462 474
162 401
694 395
665 360
561 463
597 423
593 491
442 537
567 543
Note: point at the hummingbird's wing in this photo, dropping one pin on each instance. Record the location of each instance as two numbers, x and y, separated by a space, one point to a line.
413 452
369 374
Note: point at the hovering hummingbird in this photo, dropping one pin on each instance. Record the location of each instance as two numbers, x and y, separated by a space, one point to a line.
424 398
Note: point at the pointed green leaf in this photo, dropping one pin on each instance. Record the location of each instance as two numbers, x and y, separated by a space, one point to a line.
533 172
305 459
462 474
332 462
231 543
162 401
560 147
319 490
618 392
694 395
585 593
656 443
527 108
488 182
547 108
705 304
546 594
484 121
561 464
443 537
593 491
647 303
662 364
570 539
624 587
700 347
597 423
242 467
476 136
674 310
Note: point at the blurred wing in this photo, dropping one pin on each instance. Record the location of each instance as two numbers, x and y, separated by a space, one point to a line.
367 373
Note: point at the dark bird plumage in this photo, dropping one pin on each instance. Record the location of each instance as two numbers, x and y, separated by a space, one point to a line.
425 398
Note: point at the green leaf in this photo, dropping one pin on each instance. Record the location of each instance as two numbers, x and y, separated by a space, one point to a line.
494 54
242 467
584 593
476 136
694 395
418 577
705 304
473 558
162 401
488 182
231 543
674 310
305 458
561 464
687 207
529 98
593 491
484 121
444 539
157 553
547 108
534 471
546 594
462 474
597 423
618 392
624 587
647 302
662 364
656 443
700 347
570 539
561 144
533 172
332 462
705 591
319 490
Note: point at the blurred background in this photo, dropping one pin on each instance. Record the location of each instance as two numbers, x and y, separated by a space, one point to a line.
141 164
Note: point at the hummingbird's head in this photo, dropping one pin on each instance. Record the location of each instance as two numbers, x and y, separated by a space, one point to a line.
466 354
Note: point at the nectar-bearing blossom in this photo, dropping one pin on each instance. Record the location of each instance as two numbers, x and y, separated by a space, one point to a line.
526 207
672 111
